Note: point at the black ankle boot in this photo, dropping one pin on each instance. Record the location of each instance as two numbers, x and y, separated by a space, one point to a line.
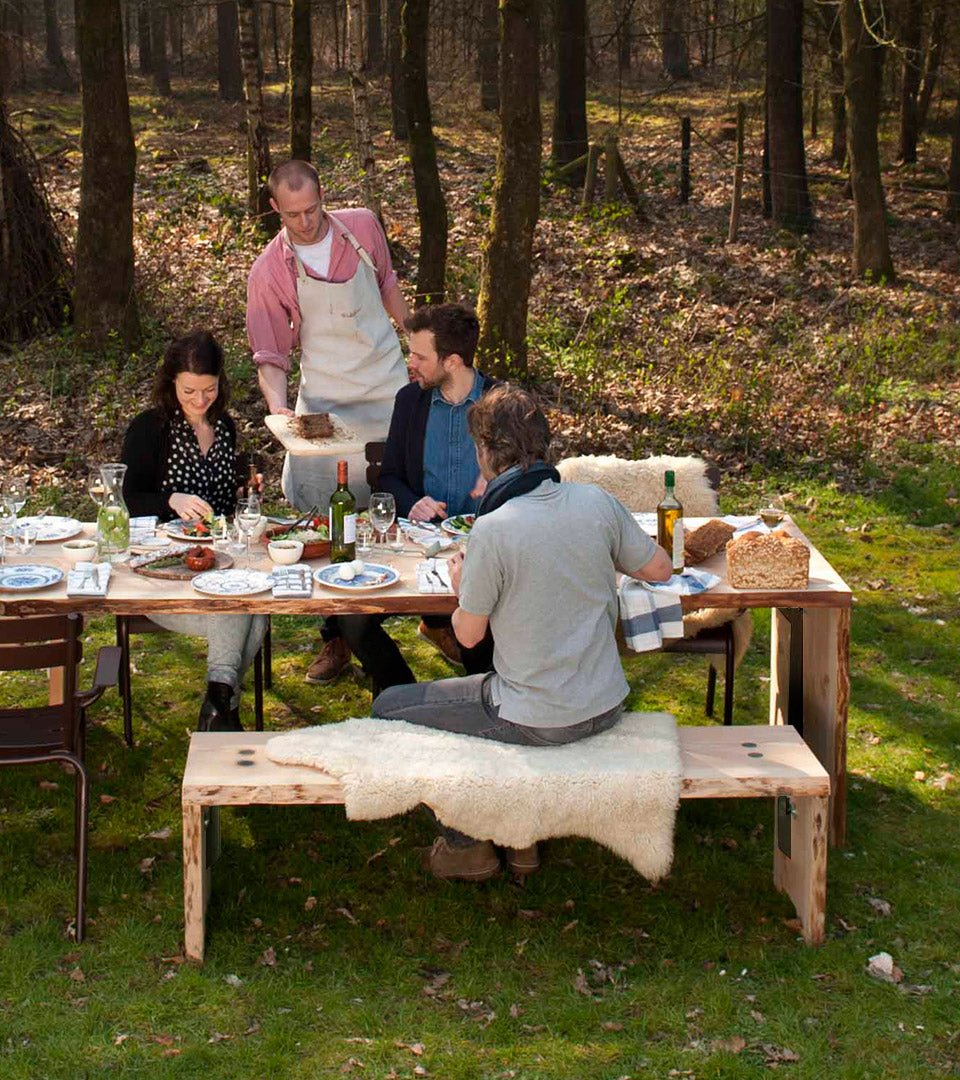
235 724
215 710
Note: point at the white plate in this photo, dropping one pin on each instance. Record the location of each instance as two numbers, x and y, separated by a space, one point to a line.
51 528
232 582
373 576
29 576
151 543
175 529
448 526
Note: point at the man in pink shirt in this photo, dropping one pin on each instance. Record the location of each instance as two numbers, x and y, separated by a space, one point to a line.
326 283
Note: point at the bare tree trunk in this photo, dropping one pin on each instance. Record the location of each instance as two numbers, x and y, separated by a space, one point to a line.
910 40
374 38
675 49
489 56
361 109
229 71
931 67
158 47
953 178
34 272
275 38
431 207
57 74
398 104
789 194
569 140
830 12
301 81
105 303
862 72
258 142
144 52
507 266
175 32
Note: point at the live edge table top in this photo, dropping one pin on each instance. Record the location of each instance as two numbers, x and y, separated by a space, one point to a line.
133 594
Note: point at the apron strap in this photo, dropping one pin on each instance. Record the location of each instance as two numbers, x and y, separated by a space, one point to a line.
357 246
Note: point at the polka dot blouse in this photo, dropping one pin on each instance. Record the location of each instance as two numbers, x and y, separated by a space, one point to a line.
211 476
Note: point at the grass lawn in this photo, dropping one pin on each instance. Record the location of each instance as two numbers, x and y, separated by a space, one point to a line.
330 953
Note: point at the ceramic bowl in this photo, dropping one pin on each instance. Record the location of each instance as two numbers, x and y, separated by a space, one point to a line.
285 552
79 550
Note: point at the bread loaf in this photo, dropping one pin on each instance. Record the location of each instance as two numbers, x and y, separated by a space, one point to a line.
773 560
706 541
314 426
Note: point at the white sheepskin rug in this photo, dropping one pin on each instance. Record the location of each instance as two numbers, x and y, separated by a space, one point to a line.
619 788
639 484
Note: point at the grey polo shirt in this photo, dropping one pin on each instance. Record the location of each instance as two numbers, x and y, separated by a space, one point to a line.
543 569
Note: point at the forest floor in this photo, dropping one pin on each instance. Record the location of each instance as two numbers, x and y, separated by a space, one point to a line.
329 953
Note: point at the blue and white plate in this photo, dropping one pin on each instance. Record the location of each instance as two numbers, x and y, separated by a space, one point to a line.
50 528
460 525
232 582
29 576
372 576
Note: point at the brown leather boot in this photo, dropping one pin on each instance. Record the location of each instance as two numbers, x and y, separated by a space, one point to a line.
443 639
333 661
475 863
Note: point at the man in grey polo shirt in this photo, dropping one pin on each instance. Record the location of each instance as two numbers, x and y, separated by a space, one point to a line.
540 572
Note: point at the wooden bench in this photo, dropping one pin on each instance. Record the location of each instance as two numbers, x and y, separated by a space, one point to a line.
232 769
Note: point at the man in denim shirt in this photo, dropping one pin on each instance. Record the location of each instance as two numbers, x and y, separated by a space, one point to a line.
430 467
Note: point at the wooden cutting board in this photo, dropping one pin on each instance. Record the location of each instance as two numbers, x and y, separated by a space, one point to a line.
182 572
342 443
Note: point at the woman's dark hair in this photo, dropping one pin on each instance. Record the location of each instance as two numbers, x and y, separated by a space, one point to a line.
198 353
510 426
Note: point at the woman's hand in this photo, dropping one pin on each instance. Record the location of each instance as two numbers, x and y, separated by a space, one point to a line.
455 566
189 507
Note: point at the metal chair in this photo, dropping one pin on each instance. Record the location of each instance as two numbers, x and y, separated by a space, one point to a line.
54 732
140 624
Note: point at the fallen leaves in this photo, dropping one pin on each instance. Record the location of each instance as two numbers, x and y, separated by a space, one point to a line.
882 907
882 967
268 958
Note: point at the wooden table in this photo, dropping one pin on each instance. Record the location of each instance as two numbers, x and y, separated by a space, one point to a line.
809 652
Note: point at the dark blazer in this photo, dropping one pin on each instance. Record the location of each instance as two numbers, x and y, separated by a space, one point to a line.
401 472
146 447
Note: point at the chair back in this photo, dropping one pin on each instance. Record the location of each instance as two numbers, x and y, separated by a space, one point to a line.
373 452
35 643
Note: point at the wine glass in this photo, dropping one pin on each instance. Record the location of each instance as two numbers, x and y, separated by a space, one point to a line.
15 495
383 511
772 509
247 518
96 488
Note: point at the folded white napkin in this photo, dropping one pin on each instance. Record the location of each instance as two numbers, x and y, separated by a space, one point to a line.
292 582
141 528
427 535
433 576
89 579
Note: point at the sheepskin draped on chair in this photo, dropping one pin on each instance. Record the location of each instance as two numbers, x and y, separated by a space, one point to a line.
639 486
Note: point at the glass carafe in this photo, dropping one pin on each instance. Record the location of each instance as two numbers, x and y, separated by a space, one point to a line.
113 517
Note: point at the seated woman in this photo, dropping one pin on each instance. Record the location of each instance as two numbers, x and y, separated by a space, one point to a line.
181 462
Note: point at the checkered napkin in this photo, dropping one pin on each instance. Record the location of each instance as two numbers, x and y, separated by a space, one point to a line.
651 612
141 528
292 582
89 579
433 576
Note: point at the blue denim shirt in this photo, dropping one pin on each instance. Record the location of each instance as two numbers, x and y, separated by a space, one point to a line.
450 467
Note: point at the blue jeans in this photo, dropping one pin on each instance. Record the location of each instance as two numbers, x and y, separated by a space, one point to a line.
463 705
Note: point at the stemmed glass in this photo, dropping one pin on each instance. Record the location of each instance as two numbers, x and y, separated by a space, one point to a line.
247 518
96 487
14 497
772 509
383 511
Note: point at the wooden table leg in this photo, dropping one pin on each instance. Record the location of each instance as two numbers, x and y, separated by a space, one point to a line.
826 695
196 881
802 874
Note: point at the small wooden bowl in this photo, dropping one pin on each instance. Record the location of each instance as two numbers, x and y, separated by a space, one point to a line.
316 549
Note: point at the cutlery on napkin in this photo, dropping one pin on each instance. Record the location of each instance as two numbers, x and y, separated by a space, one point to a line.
89 579
433 576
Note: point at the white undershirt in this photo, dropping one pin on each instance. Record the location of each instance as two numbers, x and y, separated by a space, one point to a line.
317 256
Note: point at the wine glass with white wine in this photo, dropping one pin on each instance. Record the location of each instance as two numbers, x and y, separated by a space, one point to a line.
247 518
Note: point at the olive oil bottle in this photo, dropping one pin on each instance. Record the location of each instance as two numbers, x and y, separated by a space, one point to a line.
343 519
670 522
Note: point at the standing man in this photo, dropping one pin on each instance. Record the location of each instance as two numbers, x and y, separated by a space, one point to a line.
540 572
430 467
325 282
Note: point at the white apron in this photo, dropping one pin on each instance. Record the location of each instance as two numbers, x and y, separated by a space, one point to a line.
351 365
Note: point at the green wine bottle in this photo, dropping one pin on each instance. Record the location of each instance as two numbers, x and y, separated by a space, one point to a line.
343 520
670 523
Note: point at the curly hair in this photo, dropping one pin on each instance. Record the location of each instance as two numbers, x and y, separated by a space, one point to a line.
511 427
198 353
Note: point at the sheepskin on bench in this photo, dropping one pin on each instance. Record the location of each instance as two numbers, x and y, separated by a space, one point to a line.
619 788
639 486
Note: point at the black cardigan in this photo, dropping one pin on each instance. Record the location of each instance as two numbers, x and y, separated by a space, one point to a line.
146 447
401 473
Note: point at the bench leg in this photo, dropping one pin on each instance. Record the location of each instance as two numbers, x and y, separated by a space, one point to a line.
196 881
802 875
